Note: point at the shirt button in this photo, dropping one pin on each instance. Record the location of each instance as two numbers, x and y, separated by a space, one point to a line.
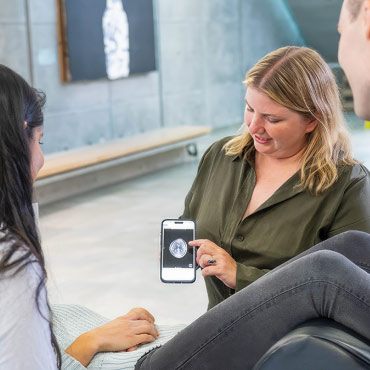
240 238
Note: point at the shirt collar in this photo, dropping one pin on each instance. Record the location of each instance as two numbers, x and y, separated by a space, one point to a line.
246 154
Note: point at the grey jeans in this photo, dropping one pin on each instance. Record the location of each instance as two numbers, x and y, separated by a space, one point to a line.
329 280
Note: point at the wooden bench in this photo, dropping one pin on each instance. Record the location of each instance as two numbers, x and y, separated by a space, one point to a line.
79 170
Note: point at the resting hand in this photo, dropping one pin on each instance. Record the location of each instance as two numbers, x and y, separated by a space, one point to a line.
124 333
223 267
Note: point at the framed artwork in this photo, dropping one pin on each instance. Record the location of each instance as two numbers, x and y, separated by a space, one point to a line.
105 38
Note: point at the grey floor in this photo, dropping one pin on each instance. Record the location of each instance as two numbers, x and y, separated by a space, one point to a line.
102 248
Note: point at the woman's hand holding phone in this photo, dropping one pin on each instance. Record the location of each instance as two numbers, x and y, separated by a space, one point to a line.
215 261
124 333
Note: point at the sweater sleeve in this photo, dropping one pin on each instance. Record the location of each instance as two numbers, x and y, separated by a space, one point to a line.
70 321
69 363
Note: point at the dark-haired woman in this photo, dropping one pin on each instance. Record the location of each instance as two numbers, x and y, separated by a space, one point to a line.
27 340
330 284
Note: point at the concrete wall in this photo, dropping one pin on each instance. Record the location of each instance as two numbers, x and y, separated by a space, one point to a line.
266 25
203 50
318 20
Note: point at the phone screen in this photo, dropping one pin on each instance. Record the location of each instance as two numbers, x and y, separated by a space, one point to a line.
178 260
175 248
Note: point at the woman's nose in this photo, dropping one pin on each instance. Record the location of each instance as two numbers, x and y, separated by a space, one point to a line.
256 125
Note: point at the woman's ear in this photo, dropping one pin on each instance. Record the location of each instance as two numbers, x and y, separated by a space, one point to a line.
311 125
25 124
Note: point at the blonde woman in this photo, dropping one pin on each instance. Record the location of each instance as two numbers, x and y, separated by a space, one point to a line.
287 183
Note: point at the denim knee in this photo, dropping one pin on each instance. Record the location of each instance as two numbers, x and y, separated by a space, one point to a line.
325 263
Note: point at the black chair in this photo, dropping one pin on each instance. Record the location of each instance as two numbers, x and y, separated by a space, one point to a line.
319 344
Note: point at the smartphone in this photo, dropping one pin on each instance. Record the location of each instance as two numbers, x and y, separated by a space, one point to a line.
177 258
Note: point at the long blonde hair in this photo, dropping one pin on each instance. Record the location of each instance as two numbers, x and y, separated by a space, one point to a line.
299 79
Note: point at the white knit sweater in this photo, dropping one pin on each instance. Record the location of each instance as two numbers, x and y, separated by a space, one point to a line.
70 321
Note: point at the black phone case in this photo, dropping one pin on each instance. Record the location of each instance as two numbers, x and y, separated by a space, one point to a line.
161 254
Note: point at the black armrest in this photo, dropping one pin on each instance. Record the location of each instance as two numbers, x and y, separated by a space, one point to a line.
318 344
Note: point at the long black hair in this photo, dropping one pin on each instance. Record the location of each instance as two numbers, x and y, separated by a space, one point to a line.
20 113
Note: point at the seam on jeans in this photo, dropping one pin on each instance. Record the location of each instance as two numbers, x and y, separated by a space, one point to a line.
230 324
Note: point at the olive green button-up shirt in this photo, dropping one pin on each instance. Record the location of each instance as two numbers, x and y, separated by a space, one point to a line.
288 223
